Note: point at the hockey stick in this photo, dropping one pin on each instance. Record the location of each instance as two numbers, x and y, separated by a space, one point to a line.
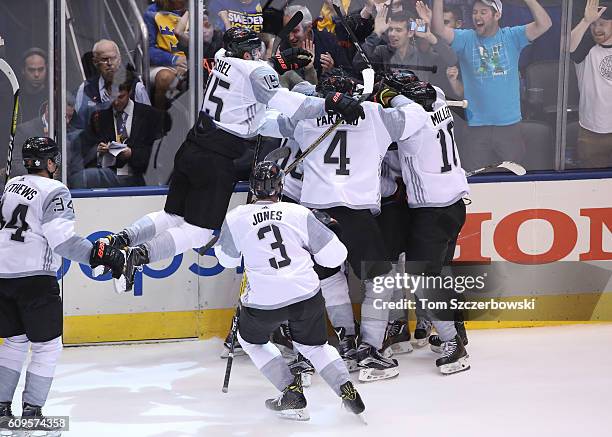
233 337
10 74
457 103
278 154
286 30
368 87
351 34
515 168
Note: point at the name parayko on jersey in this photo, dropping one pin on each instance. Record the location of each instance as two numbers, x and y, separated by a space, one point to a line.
330 119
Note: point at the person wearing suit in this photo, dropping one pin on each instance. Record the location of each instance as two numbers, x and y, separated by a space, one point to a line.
127 122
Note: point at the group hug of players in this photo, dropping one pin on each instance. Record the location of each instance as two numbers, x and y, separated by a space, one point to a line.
387 181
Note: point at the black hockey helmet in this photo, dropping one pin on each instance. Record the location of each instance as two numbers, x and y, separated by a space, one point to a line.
422 93
336 81
239 40
407 83
266 179
36 151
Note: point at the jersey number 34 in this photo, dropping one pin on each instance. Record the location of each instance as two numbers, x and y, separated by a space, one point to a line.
17 222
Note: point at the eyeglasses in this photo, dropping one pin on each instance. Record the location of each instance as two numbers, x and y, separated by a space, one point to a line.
108 60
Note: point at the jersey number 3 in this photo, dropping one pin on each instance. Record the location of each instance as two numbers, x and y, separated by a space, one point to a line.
278 244
209 95
19 215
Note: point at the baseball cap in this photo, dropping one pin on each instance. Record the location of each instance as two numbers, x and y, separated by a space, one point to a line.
607 15
495 4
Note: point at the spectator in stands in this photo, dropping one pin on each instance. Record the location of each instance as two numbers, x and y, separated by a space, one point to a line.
240 13
401 50
168 60
488 58
212 40
327 20
592 55
126 125
328 54
95 93
37 127
453 17
34 89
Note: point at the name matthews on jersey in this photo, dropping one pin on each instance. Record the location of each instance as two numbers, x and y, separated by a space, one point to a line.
24 190
261 216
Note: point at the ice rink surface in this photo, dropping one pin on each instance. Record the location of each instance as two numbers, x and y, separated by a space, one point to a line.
523 382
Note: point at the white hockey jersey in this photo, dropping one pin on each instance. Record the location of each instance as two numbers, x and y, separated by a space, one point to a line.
431 168
238 92
344 170
292 187
390 170
276 240
37 216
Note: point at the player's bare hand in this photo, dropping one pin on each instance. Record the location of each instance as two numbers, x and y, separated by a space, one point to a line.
327 62
103 147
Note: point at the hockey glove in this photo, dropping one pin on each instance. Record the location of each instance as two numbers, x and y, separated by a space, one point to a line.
290 59
330 222
349 108
104 255
383 95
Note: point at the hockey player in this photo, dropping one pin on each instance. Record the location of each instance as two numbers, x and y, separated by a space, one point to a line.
436 185
276 240
341 178
238 91
36 229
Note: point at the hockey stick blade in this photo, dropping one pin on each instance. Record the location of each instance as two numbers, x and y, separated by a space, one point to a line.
202 250
368 80
285 31
457 103
278 154
515 168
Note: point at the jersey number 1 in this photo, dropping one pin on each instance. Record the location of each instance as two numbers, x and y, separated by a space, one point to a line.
210 96
442 137
19 214
278 244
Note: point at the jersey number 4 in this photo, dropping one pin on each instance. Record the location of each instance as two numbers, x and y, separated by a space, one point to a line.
342 160
278 244
19 215
442 137
209 95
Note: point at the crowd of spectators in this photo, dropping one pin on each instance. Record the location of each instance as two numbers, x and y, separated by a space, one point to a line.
482 51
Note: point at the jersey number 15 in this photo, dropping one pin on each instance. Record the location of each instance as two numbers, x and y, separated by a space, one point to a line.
209 95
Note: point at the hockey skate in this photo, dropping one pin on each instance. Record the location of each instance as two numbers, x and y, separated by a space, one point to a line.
5 416
226 347
119 241
303 367
135 258
31 411
351 400
454 357
435 343
291 403
281 337
422 332
373 365
347 348
397 339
